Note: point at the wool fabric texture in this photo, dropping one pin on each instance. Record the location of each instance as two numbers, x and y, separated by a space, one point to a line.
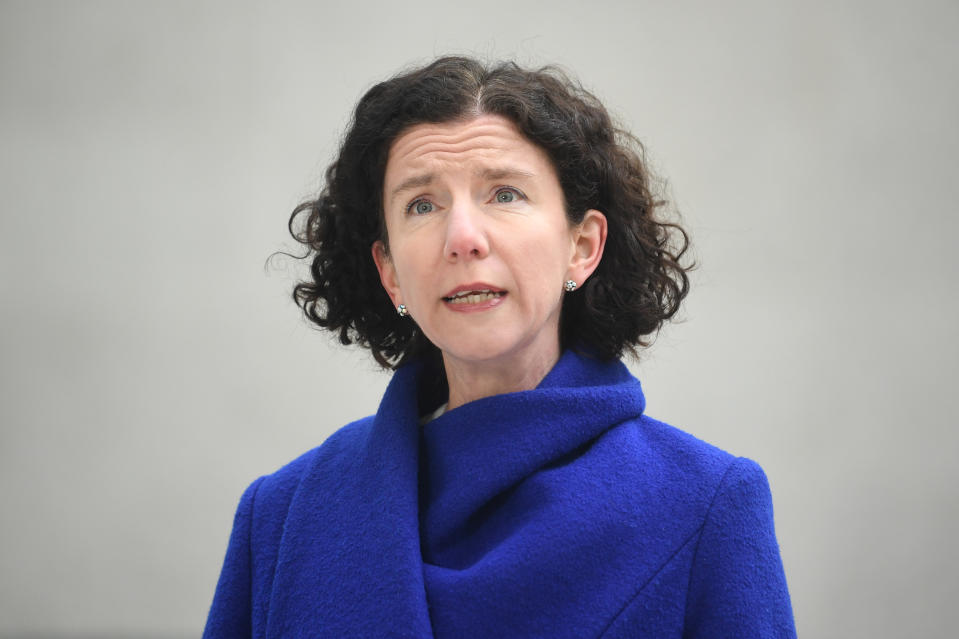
562 511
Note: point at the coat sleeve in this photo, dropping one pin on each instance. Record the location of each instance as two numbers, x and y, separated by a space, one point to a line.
231 612
737 584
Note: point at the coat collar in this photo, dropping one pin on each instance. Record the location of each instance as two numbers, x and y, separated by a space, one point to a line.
371 505
480 449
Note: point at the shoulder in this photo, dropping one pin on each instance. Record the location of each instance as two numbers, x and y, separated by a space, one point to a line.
677 460
743 501
737 585
274 492
713 513
718 474
671 441
680 478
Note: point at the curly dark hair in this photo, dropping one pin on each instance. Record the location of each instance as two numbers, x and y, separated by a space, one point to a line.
639 282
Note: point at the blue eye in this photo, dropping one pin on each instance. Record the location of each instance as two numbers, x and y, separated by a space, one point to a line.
507 195
420 207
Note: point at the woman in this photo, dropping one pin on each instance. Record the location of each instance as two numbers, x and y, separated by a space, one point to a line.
488 233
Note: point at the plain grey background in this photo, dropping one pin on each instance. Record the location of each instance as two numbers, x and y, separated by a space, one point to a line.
150 367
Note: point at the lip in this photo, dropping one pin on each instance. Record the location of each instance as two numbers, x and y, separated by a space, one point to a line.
473 286
467 307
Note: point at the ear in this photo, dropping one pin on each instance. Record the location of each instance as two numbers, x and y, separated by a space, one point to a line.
589 240
384 265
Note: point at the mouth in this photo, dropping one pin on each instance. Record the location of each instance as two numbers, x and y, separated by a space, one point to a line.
474 296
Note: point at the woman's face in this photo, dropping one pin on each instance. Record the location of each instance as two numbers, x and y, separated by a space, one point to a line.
479 242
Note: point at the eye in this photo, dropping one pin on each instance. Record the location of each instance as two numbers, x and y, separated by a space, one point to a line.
420 207
508 194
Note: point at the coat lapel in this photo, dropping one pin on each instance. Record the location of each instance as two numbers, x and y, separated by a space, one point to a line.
349 563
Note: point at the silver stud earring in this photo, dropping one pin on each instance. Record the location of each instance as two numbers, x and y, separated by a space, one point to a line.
570 286
401 311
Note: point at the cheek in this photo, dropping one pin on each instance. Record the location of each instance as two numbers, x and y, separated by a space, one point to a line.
549 255
540 272
412 271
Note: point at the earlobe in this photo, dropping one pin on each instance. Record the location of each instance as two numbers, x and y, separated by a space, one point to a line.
384 265
589 242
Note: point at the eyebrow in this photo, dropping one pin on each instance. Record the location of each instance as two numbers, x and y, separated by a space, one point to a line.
506 172
418 181
414 182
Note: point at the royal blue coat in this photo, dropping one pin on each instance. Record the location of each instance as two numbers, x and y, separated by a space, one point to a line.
563 511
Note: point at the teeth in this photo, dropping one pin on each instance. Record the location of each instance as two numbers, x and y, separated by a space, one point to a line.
465 293
473 297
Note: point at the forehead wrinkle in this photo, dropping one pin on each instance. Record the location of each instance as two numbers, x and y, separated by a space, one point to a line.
443 148
453 133
478 146
426 162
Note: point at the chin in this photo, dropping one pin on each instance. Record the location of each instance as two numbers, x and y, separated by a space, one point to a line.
475 353
480 349
487 351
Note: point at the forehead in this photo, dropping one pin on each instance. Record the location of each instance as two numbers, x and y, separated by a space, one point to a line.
482 142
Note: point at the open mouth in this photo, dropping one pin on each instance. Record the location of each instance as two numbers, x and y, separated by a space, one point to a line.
474 297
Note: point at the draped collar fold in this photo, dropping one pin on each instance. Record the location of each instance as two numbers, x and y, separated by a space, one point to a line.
478 450
379 499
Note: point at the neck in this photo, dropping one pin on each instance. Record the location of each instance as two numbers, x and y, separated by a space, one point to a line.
471 381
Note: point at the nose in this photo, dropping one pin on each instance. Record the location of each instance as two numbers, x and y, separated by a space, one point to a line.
465 233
